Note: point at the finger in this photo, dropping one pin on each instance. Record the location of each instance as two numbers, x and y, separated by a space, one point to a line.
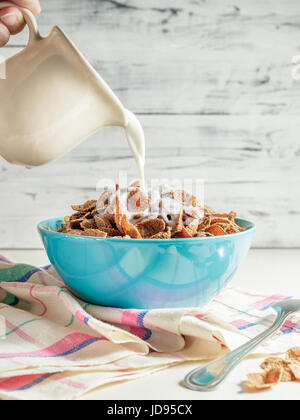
4 35
32 5
13 19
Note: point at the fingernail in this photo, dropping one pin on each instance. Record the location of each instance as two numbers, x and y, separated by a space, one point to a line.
10 19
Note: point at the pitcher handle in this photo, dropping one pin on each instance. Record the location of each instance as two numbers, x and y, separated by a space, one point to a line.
34 33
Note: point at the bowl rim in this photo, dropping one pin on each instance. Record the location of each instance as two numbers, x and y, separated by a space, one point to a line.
43 229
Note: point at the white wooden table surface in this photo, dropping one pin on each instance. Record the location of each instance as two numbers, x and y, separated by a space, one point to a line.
267 271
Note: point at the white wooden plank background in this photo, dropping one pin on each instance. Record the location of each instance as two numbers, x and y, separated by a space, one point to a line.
211 81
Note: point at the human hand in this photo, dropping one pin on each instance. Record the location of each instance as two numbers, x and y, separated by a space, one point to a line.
11 18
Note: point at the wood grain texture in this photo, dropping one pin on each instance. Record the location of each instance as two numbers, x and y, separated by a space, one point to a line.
200 57
211 81
250 164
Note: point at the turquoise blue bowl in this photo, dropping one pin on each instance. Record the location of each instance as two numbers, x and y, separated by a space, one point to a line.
146 274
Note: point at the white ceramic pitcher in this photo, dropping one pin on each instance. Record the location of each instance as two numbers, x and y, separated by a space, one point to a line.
52 99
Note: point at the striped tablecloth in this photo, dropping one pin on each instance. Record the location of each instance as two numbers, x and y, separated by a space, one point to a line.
55 346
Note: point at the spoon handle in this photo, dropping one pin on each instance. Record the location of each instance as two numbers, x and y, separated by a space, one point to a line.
209 377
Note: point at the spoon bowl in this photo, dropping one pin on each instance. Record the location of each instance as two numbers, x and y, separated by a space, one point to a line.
210 377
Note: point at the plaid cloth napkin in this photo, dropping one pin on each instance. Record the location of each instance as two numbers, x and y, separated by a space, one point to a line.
55 346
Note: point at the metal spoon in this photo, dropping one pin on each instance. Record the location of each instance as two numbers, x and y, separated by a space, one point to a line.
211 376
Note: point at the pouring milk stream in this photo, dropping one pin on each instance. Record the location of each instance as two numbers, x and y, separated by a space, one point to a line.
53 99
136 139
